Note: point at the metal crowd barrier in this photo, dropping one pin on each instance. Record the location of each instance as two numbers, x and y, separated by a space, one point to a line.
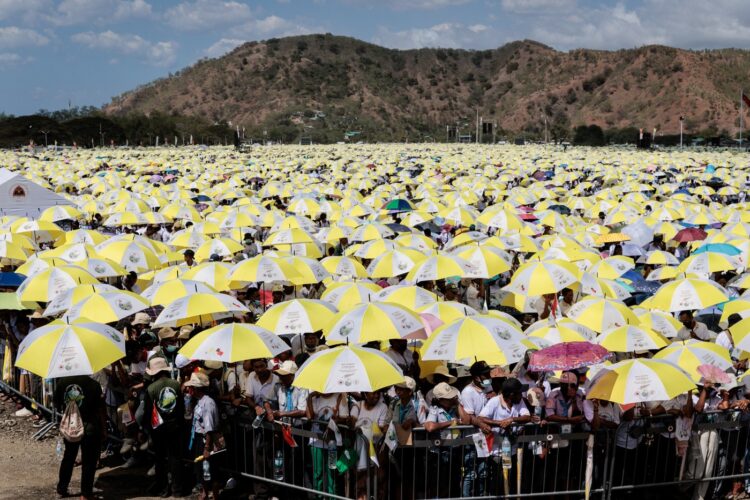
640 455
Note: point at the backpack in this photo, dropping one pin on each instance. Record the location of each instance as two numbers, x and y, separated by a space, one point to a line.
71 425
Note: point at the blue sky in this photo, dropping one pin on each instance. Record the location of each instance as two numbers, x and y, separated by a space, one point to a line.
86 51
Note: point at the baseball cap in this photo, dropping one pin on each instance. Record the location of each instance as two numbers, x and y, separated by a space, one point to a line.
408 383
479 368
513 385
287 367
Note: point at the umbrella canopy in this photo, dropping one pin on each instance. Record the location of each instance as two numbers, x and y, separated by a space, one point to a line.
688 294
61 349
199 308
640 381
344 266
107 307
46 285
552 332
437 267
690 354
602 314
631 338
567 356
542 277
160 294
345 295
347 369
448 311
374 321
475 338
261 269
70 297
690 234
413 297
234 342
298 316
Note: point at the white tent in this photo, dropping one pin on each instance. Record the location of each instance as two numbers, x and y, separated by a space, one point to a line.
22 197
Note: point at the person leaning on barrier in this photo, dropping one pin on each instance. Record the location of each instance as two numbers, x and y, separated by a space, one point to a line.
322 408
205 436
445 413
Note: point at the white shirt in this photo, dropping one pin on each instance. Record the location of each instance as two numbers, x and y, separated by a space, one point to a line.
700 330
725 341
473 399
261 391
404 361
472 297
498 409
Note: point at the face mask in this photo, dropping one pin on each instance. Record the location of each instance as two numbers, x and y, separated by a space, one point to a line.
171 349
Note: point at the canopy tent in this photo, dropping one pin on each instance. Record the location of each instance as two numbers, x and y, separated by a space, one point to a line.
21 197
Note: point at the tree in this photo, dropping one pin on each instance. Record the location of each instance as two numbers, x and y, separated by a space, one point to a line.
591 135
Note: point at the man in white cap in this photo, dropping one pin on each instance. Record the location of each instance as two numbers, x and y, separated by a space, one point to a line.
205 432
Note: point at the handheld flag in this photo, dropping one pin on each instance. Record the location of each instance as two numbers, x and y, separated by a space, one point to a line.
156 419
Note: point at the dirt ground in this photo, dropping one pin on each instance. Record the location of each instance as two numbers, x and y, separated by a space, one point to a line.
28 468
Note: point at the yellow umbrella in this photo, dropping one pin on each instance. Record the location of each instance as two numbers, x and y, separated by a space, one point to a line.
347 369
602 314
369 322
61 349
639 381
233 342
344 266
690 354
48 284
298 316
345 295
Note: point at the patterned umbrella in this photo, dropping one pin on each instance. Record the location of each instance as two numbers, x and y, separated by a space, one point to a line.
567 356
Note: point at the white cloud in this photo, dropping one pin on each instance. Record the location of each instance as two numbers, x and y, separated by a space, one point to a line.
447 35
24 8
9 58
156 53
223 46
426 4
537 6
206 14
74 12
271 26
13 36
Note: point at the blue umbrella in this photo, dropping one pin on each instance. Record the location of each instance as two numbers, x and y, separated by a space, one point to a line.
724 248
11 279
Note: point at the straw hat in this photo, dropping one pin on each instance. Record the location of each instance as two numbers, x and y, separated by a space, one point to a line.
166 333
185 332
197 379
141 318
440 370
444 391
157 364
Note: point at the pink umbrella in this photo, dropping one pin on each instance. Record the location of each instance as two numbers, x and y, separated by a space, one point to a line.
430 322
714 374
567 356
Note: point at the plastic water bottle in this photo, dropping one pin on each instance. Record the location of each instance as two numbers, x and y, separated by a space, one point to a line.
506 450
278 466
332 454
59 450
538 411
258 420
206 471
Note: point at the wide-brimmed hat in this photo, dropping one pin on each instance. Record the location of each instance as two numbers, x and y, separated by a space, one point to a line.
166 333
185 332
444 391
440 370
288 367
141 318
157 364
197 379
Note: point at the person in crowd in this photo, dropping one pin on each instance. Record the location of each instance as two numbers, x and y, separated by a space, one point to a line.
322 408
86 394
165 410
692 329
205 437
473 399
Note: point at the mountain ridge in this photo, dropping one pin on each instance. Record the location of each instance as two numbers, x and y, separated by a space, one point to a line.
324 85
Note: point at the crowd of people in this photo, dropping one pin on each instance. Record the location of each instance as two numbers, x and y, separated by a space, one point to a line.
158 408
